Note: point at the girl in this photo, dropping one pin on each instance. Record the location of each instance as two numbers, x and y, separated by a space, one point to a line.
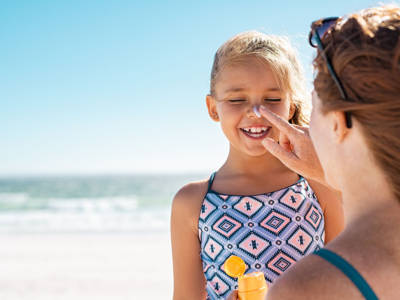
253 206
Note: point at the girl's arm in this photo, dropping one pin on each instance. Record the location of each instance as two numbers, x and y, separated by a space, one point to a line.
331 203
189 281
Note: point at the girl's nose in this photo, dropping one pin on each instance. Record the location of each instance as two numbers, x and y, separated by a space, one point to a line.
254 112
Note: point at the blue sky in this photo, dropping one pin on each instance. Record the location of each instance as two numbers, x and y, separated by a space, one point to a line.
118 86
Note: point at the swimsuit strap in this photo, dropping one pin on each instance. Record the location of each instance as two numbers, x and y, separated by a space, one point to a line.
210 181
349 271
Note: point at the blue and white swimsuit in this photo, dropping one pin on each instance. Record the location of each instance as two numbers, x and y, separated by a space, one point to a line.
270 232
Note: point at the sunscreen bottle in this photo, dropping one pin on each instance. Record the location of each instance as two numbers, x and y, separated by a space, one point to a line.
250 286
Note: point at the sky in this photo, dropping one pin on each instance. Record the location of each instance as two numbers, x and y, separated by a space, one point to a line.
104 87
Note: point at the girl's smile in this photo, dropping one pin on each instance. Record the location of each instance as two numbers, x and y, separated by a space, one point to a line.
257 132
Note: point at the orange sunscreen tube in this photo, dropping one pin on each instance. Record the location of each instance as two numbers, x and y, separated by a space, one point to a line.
250 286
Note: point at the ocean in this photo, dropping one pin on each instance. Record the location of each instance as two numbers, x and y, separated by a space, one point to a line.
103 204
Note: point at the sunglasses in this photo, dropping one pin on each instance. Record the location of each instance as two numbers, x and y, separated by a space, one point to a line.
318 30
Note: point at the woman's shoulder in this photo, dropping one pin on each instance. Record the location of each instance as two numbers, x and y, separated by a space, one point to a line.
316 276
312 278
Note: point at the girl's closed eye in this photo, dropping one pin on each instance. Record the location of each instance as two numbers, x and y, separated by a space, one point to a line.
269 100
237 101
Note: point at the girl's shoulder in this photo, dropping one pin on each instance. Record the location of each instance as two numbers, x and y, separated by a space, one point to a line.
188 200
326 196
330 202
192 192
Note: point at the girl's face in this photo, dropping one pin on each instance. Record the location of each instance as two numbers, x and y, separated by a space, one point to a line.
240 87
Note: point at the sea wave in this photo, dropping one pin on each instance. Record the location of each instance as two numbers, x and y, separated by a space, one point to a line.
119 203
23 202
70 221
21 213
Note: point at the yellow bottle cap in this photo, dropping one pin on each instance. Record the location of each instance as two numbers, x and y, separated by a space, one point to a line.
234 266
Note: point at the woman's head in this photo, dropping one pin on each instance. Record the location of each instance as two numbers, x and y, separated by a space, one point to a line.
364 50
275 52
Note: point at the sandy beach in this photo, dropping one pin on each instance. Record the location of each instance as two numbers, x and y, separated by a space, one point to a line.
85 266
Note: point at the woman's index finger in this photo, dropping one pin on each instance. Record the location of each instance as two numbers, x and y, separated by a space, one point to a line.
277 121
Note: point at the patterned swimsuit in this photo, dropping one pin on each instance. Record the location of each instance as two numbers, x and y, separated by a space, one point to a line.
270 232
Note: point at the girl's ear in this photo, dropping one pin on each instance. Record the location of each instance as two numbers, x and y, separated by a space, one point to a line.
212 108
292 111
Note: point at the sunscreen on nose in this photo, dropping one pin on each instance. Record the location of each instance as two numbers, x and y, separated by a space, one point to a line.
256 111
250 286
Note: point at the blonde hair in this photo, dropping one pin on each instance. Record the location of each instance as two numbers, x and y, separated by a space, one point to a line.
281 57
365 52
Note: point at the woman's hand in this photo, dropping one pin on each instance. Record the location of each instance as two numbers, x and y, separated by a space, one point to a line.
294 148
233 295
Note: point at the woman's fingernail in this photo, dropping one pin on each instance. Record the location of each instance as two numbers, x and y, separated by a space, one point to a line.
262 108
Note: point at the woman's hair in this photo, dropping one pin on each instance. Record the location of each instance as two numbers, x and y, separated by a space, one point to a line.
281 57
364 50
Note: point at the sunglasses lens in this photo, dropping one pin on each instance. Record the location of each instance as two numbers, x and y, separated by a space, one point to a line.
313 40
321 30
324 28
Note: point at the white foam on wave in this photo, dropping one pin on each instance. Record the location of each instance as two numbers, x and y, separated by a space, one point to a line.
22 213
40 221
120 203
13 198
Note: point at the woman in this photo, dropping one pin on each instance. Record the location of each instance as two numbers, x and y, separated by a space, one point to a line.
355 128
